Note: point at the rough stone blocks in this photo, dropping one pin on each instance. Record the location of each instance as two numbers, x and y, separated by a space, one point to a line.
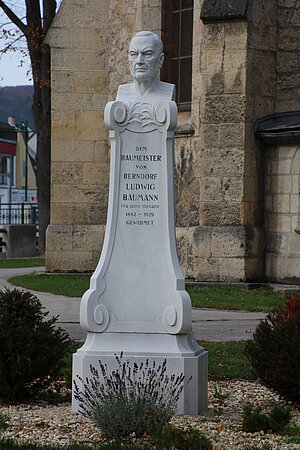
74 248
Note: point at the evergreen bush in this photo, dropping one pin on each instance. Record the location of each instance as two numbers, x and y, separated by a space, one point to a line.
31 348
276 420
274 351
254 420
279 417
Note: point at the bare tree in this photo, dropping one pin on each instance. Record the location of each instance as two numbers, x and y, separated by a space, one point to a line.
34 29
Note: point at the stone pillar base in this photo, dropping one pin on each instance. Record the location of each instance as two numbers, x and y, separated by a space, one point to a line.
228 254
181 352
73 248
20 241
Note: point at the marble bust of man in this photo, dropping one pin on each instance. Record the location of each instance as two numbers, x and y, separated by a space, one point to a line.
145 59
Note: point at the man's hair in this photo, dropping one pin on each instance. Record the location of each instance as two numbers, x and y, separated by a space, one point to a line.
158 41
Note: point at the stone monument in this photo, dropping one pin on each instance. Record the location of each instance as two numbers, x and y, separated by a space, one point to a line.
137 303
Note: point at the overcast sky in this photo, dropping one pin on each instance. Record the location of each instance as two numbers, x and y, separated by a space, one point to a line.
11 74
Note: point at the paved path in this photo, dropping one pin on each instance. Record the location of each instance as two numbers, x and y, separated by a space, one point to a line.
208 324
66 308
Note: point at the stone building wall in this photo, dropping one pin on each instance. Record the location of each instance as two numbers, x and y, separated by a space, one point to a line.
79 41
282 161
220 234
127 17
282 213
260 95
241 71
288 56
89 43
211 241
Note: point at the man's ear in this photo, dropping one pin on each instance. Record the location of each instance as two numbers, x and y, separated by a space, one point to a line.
161 59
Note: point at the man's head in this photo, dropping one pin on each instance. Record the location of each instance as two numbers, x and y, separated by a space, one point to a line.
145 56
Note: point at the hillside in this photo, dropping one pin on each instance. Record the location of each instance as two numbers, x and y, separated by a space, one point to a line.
16 101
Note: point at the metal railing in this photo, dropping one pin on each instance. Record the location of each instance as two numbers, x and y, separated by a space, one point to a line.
3 179
19 214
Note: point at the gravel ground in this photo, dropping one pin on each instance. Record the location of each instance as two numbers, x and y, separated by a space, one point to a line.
222 422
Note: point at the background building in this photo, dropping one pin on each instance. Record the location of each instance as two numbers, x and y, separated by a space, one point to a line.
236 195
17 174
8 150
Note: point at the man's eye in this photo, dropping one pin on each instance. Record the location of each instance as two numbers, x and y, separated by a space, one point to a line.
133 55
148 54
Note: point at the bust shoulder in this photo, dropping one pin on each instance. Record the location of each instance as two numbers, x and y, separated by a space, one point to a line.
160 90
166 89
125 89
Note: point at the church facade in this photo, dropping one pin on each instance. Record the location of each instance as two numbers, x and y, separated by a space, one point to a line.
236 69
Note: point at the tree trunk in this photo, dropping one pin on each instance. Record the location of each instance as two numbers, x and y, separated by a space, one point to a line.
35 31
40 61
41 110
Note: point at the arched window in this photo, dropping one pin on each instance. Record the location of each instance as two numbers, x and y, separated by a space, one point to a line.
177 36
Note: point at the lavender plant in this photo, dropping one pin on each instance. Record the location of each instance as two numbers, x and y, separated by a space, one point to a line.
129 399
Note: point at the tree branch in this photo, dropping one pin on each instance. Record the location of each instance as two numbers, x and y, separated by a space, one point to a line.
33 13
9 23
5 49
49 8
12 16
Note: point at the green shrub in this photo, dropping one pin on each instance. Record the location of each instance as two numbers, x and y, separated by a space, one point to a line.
275 420
254 420
292 440
31 349
66 367
128 400
279 417
167 437
292 430
56 392
274 351
4 419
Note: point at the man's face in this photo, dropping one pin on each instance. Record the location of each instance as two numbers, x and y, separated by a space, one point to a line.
144 58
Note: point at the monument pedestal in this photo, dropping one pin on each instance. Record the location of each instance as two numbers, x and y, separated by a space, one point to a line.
181 352
137 303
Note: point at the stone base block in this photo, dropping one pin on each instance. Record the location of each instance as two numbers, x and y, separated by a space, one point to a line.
225 253
205 253
20 241
181 352
283 268
73 248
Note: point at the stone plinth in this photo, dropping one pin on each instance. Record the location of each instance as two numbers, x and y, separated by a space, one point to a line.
181 352
20 241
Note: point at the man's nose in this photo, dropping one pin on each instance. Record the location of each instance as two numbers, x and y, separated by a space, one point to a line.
140 58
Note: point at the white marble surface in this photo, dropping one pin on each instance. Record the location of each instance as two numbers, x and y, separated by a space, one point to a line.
139 249
137 302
